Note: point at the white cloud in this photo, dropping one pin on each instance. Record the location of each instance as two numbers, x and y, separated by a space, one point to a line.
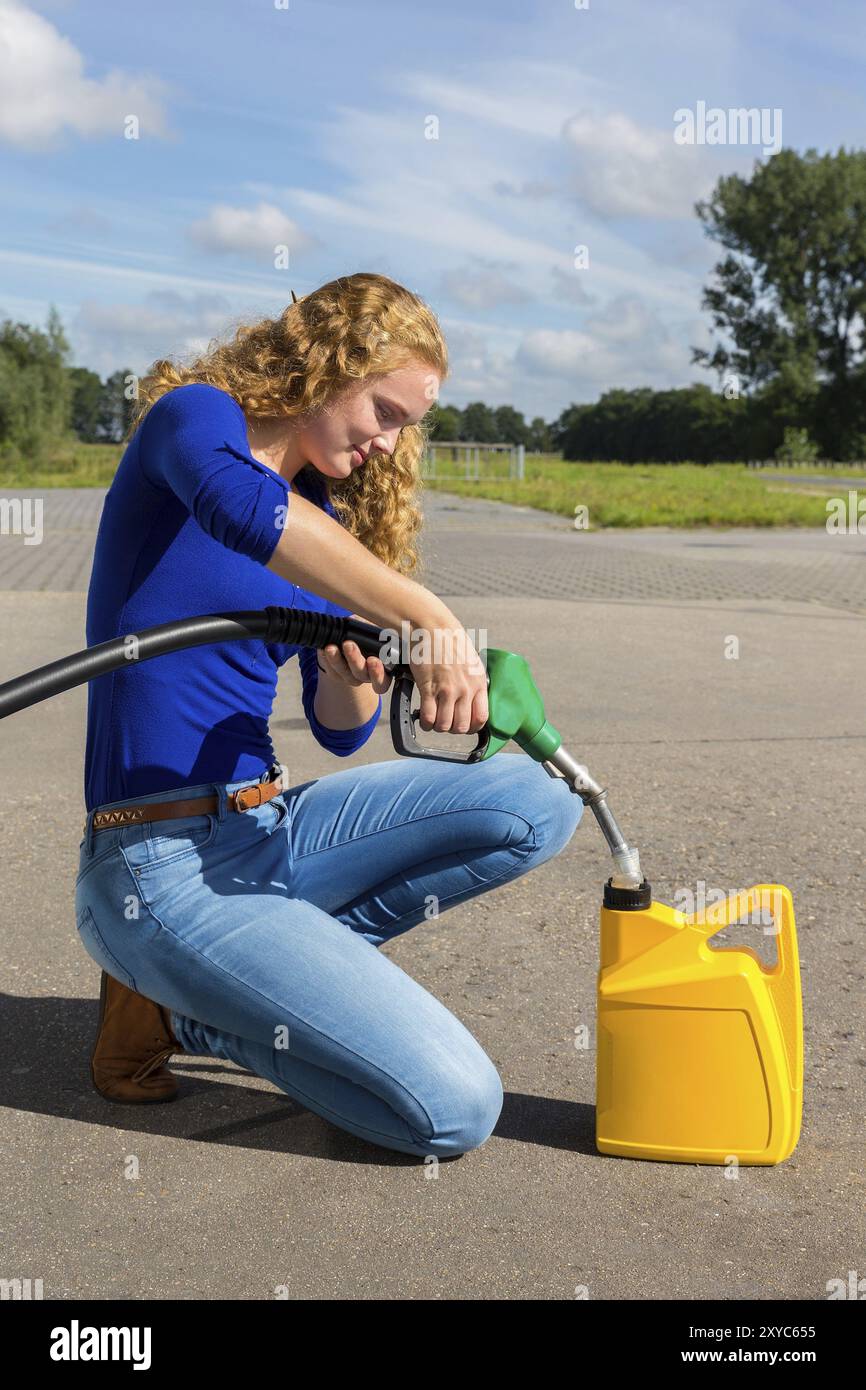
254 232
625 343
477 372
43 89
569 287
622 169
523 95
528 189
110 336
444 208
82 271
487 216
81 219
483 287
622 320
563 352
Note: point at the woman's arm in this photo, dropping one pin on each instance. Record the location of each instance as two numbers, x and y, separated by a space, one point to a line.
349 685
339 705
193 441
315 552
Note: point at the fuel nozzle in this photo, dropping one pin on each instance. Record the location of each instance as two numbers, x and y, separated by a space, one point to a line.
517 712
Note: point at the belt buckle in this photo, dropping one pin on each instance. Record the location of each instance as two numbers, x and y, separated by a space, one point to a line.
274 773
257 788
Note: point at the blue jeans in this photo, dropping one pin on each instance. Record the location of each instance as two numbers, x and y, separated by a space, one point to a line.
259 931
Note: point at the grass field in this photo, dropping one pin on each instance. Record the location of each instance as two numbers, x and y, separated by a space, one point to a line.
615 494
654 494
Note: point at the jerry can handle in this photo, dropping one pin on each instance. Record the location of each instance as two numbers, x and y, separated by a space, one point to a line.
783 978
771 897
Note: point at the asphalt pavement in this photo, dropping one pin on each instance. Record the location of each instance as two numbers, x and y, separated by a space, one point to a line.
723 769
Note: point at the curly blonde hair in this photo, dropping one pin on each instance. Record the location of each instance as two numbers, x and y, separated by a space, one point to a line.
350 329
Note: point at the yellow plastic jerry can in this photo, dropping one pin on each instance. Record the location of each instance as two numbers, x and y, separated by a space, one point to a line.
700 1050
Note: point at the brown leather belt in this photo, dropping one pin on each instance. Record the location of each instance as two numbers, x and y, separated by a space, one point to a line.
244 799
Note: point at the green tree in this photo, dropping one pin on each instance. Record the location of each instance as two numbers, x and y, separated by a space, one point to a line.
689 423
445 422
566 423
87 403
35 386
479 424
797 447
117 406
791 293
101 412
510 426
540 440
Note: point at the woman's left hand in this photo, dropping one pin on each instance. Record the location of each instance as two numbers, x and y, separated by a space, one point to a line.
350 666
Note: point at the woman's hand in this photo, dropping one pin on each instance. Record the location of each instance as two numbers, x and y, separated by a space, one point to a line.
350 666
452 681
450 675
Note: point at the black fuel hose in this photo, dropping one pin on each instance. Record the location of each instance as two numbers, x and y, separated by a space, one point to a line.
294 626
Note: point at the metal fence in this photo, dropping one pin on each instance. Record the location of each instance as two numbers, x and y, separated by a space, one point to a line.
472 462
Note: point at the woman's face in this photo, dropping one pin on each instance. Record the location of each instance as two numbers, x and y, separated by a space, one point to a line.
367 417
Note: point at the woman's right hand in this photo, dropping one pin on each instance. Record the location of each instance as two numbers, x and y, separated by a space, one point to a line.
450 676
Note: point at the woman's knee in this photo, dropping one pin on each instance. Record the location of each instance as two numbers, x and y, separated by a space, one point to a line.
467 1117
548 804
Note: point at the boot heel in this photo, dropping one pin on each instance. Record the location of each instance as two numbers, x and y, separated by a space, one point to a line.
133 1041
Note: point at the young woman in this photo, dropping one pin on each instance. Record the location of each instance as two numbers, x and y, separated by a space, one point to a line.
233 914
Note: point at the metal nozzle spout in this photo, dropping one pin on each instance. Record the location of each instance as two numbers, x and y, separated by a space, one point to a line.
627 870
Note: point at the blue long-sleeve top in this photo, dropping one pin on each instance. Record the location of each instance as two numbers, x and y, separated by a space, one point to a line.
187 527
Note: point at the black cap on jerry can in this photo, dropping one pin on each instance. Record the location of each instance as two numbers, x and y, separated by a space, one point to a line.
628 899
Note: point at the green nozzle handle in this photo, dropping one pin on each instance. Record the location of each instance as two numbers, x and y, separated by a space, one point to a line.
516 710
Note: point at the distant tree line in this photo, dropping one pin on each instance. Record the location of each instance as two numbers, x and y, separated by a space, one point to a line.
478 423
699 425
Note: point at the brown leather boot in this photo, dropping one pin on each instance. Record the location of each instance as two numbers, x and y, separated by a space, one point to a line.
133 1040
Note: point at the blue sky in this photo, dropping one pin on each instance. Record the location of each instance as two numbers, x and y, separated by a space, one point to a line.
302 122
